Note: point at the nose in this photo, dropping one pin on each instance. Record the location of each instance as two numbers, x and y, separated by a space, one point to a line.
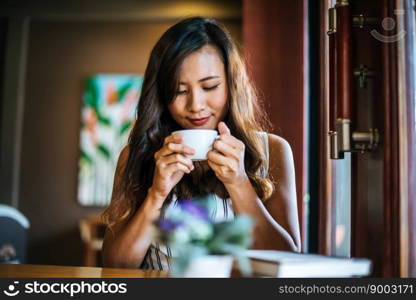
196 101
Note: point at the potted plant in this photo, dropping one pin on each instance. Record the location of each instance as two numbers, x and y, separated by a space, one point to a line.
201 247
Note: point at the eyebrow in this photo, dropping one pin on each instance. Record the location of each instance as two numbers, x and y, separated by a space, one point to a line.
204 79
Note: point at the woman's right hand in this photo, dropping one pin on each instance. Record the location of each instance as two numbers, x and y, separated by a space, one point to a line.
171 164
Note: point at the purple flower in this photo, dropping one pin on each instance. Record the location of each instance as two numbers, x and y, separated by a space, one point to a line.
193 208
169 225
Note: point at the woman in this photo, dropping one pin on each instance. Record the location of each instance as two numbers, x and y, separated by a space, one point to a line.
196 78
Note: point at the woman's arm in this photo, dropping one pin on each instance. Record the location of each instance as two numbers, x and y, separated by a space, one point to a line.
277 225
276 222
126 244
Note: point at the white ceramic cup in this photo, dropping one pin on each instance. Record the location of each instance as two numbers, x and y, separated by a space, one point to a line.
201 140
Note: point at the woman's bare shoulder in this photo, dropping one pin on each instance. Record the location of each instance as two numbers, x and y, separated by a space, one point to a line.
281 163
278 145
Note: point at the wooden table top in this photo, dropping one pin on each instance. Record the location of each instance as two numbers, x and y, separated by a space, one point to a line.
45 271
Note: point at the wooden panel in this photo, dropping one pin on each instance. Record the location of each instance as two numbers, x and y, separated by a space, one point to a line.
326 166
411 124
344 61
391 190
384 193
273 37
367 175
407 125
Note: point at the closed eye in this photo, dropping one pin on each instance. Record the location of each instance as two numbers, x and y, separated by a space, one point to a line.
210 88
181 92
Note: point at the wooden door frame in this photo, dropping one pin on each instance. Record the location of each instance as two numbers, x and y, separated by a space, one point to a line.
398 139
326 237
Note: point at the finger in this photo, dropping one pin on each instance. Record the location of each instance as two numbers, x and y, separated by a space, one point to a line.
219 159
215 167
218 169
173 138
232 141
177 166
170 148
174 158
226 149
223 129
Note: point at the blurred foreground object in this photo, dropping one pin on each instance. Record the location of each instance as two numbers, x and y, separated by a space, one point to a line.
201 247
13 235
272 263
91 229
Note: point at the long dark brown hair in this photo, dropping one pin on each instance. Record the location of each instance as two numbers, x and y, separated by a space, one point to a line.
154 122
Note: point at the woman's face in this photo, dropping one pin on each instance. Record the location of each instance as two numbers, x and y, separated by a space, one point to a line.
202 94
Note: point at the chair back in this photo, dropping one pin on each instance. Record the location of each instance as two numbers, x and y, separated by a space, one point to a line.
92 232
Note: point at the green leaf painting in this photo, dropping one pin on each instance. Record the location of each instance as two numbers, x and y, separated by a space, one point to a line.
103 120
125 127
108 112
122 91
104 151
91 95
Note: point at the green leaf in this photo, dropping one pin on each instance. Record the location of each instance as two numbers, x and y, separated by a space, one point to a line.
125 127
103 120
234 233
122 91
86 157
103 150
91 95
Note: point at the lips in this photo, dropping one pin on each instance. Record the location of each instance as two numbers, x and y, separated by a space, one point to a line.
199 122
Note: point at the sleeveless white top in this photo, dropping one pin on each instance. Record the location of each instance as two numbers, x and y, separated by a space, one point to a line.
159 256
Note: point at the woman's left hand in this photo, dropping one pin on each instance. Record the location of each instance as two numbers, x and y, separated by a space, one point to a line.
227 157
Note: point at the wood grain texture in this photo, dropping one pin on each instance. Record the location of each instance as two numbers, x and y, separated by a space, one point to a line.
391 189
273 40
344 62
45 271
326 166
